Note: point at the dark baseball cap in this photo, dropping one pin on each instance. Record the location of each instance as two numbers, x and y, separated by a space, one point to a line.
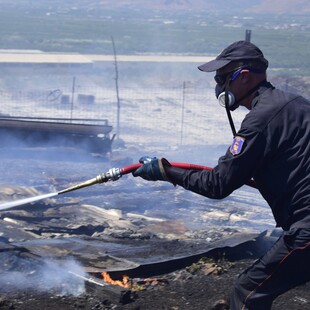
240 50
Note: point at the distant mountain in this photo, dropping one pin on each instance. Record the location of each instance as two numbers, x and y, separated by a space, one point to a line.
221 6
282 6
259 6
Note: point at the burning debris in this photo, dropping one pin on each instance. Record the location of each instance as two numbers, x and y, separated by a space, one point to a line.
61 278
134 284
125 282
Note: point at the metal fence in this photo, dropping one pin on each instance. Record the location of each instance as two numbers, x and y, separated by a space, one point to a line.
177 116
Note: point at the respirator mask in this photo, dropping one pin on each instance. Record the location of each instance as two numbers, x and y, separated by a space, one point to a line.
225 97
227 100
221 95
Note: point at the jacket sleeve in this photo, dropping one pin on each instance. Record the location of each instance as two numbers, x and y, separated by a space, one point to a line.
233 170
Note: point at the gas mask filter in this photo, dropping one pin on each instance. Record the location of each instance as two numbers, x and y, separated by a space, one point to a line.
221 93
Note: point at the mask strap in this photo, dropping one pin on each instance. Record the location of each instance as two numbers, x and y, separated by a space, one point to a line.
227 108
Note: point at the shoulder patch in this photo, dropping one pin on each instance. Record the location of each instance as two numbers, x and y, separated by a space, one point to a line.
237 145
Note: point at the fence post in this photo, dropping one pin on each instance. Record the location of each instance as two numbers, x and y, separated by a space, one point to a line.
182 114
117 91
72 98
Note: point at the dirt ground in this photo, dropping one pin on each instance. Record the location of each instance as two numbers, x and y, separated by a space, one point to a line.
199 286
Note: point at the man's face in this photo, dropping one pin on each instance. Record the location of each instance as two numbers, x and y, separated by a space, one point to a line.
231 71
223 74
234 73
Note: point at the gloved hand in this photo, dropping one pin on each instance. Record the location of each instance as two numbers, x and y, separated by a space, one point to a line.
152 169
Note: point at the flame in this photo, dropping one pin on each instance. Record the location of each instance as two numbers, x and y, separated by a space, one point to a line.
125 282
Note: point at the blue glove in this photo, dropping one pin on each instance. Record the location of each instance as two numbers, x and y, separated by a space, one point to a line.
152 169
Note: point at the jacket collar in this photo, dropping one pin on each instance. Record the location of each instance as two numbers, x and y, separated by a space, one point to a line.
263 86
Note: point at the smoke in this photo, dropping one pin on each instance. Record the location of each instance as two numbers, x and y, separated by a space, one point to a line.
54 148
58 277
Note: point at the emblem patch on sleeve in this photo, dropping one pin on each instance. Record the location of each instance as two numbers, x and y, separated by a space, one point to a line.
237 145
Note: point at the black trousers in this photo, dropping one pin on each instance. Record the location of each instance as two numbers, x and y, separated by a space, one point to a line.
284 266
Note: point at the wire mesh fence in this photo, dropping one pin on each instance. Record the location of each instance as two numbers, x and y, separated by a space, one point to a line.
177 116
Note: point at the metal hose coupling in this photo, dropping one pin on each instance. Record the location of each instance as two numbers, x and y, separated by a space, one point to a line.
112 174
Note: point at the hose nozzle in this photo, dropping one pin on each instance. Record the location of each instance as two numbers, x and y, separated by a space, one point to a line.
112 174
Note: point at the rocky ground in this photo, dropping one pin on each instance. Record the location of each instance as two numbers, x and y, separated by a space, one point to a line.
200 286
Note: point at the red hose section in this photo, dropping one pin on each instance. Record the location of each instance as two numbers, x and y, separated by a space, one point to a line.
131 168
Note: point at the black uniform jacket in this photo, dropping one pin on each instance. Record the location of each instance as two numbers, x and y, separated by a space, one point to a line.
272 147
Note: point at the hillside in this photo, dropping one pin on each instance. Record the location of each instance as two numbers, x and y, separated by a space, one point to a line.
186 27
258 6
239 6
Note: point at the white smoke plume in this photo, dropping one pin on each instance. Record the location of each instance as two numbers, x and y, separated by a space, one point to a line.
57 277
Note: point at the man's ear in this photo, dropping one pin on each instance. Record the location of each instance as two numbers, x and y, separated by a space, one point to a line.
245 76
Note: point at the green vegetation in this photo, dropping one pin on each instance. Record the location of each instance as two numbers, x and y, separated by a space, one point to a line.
284 39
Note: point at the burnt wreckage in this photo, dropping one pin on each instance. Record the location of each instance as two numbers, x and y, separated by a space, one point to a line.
92 135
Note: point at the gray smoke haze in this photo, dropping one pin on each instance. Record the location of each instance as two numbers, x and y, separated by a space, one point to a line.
52 275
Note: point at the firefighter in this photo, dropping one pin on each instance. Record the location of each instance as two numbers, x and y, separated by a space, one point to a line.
272 146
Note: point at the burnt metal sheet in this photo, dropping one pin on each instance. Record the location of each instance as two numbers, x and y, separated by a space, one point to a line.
112 255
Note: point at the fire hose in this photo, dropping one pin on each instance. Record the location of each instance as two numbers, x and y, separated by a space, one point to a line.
114 174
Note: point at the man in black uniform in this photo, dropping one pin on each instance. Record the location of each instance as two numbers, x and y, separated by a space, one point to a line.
272 147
